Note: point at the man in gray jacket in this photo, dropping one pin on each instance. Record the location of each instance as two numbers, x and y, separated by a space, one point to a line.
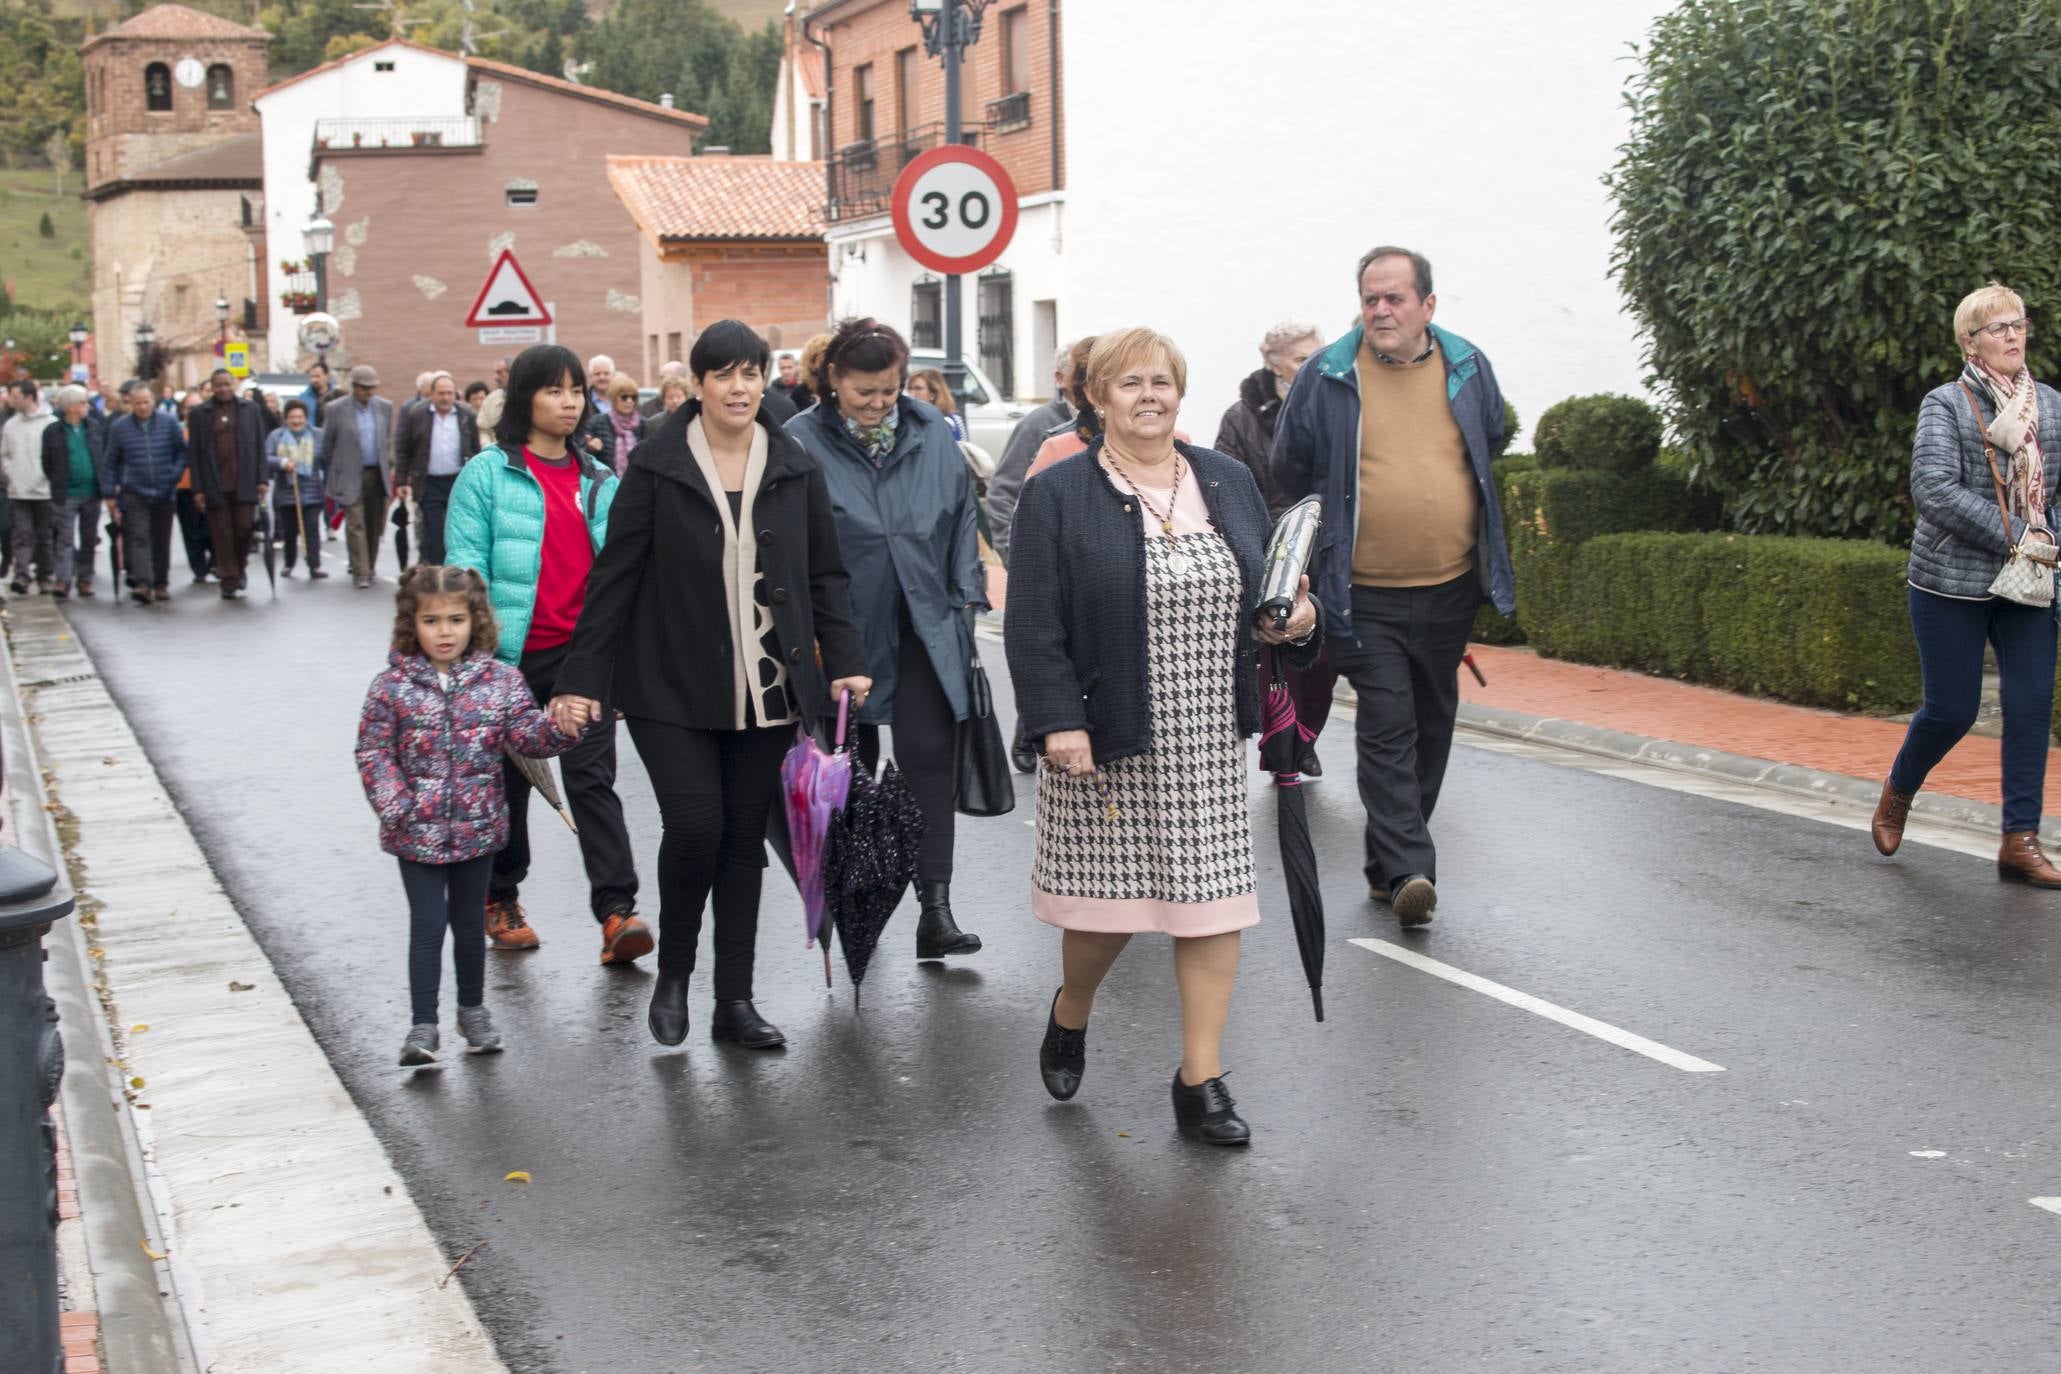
358 452
28 488
1007 484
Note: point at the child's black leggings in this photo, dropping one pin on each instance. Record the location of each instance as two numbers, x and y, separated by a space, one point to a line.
441 895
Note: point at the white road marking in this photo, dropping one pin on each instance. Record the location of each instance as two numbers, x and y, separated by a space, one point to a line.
1574 1020
2052 1204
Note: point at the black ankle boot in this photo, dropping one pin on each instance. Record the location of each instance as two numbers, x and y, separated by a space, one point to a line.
1063 1058
668 1015
741 1024
937 934
1208 1114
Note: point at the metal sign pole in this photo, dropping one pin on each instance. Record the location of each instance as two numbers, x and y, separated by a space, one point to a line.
948 35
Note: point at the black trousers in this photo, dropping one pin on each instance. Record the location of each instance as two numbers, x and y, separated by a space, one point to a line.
147 540
925 732
287 521
433 500
446 897
715 789
587 771
199 538
1405 671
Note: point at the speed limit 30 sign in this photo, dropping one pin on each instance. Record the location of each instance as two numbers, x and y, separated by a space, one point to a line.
955 209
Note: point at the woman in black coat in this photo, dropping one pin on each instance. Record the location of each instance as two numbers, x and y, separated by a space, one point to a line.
718 583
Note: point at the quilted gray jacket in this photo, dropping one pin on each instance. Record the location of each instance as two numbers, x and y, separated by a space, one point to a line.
1959 546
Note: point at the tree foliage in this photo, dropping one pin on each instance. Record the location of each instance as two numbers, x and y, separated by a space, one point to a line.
42 82
1808 189
686 48
1602 433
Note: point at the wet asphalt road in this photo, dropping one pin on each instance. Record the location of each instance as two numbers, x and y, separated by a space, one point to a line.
1440 1181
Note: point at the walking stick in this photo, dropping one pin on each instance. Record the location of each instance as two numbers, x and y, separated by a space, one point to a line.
301 512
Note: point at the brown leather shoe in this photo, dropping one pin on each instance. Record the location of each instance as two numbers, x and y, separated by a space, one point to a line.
1890 813
2020 861
507 927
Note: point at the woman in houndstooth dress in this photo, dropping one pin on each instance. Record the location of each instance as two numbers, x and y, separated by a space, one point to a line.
1134 567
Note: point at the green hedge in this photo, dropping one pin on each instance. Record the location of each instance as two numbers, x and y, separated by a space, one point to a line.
1491 626
1604 433
1817 621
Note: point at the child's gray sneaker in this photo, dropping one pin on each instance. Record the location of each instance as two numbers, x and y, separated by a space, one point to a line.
476 1024
420 1047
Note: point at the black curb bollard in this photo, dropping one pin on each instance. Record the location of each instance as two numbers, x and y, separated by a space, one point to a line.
31 1065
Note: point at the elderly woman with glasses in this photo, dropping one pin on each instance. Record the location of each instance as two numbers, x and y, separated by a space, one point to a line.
1983 473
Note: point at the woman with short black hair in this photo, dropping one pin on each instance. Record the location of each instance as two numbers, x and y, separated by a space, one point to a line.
719 583
906 525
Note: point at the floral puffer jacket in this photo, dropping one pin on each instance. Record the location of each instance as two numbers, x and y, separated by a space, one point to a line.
431 759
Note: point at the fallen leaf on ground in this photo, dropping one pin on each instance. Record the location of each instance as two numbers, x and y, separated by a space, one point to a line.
519 1176
235 986
135 1082
1123 1135
139 1028
155 1255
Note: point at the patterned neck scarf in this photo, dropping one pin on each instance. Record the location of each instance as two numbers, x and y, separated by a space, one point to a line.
879 441
2016 433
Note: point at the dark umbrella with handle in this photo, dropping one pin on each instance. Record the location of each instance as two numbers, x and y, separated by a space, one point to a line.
1284 739
870 862
271 552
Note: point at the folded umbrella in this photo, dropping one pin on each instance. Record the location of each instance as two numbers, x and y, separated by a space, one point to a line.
264 533
870 863
538 774
1283 741
401 534
114 555
814 784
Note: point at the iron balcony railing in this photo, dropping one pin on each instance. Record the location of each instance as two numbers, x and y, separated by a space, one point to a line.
1010 113
450 131
862 175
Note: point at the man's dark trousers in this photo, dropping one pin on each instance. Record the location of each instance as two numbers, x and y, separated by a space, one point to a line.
199 537
588 773
147 539
434 501
230 527
1405 676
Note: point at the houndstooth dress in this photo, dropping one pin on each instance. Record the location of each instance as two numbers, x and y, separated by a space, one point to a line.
1177 856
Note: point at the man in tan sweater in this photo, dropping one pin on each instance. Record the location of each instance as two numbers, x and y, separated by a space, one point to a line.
1395 425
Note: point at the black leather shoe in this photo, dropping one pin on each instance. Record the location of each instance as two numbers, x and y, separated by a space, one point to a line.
1021 754
1310 766
1413 899
741 1024
668 1015
1208 1114
1063 1057
937 934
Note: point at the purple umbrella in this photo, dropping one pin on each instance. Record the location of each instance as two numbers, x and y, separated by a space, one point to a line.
815 785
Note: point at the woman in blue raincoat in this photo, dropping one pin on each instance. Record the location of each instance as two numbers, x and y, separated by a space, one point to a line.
905 522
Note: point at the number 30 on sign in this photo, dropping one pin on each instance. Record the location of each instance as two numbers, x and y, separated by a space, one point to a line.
954 209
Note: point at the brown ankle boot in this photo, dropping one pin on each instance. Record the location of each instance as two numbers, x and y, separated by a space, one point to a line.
1890 813
2020 861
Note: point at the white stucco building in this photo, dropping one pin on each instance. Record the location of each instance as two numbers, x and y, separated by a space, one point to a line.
1220 174
387 94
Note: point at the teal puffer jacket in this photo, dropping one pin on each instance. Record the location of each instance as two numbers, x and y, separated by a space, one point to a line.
496 525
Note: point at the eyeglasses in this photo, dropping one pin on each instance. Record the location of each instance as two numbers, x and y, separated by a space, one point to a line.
2000 328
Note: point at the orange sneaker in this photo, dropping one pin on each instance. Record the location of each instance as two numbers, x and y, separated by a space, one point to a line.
506 927
624 938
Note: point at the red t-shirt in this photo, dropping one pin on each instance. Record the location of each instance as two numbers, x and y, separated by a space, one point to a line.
568 554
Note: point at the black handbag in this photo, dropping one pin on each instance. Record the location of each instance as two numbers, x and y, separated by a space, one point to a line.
986 782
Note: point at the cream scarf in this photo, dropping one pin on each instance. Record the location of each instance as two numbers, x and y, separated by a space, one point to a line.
749 622
2016 432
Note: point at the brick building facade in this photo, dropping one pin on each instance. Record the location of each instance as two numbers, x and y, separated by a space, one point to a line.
725 238
420 222
886 104
173 180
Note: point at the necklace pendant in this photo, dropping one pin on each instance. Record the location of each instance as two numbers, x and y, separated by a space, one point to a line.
1166 527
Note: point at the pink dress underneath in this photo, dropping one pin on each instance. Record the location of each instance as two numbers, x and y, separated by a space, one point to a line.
1177 857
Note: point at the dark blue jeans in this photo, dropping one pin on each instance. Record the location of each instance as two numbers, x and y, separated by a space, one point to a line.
446 897
1951 634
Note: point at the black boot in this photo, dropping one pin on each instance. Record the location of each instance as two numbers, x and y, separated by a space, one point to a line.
668 1015
1063 1057
937 934
740 1024
1208 1114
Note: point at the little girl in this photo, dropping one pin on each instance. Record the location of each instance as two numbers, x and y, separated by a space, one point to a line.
429 754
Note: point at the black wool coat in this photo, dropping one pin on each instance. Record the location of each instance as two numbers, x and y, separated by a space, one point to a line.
1076 629
214 474
654 637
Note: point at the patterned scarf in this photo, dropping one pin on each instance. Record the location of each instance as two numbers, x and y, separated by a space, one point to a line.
625 436
2016 431
878 441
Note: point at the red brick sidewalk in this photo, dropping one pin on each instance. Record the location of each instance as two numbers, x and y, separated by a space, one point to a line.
1857 746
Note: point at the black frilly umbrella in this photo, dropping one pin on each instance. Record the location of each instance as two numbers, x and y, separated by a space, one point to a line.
271 552
114 555
1283 741
870 863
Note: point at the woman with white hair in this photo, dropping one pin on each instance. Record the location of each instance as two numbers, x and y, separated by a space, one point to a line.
1983 470
1247 434
75 464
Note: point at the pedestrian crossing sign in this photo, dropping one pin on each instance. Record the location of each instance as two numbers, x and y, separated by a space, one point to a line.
236 357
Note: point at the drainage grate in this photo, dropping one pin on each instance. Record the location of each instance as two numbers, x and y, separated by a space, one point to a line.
60 681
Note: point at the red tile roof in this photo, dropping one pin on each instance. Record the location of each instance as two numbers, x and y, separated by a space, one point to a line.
336 62
687 198
179 21
551 83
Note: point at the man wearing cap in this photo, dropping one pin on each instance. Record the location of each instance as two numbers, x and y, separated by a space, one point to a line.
358 451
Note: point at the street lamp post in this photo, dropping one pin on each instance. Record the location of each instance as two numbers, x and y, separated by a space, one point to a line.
320 236
145 337
949 28
78 335
222 324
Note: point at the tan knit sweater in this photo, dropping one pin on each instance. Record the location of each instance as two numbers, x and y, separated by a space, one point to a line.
1420 511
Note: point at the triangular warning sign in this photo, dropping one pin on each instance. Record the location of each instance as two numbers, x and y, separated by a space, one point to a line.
507 298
